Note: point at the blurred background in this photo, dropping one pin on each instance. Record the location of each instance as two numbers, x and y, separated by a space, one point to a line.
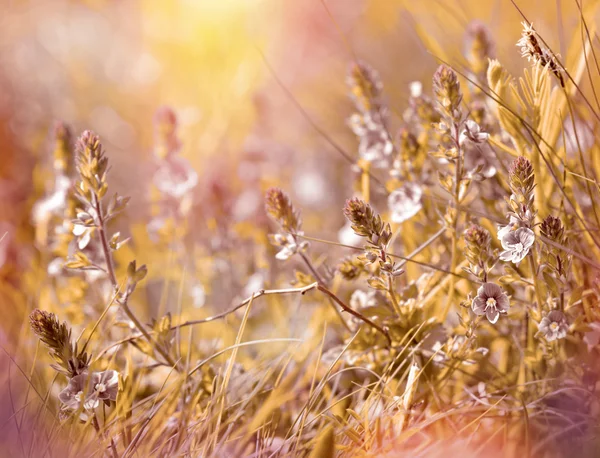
236 73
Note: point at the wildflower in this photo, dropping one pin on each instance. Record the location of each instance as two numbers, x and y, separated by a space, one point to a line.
289 245
175 177
447 90
87 391
472 133
478 244
537 52
365 222
479 47
405 202
56 336
279 207
362 299
490 301
83 234
365 86
517 244
554 326
512 226
375 145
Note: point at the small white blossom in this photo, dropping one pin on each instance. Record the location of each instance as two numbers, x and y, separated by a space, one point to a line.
175 177
517 244
87 390
554 326
288 245
490 301
362 299
472 133
405 202
513 225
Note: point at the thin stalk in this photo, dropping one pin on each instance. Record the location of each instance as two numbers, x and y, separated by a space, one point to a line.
354 313
454 246
113 279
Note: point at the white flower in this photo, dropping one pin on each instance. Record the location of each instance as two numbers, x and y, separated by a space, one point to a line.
405 202
554 326
490 301
472 133
362 299
83 234
517 244
175 177
288 245
87 390
513 225
375 144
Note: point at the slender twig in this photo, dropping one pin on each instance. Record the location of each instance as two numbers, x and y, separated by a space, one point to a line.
113 279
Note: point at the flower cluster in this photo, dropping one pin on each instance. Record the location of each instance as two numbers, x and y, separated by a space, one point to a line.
368 124
280 209
517 237
174 177
368 224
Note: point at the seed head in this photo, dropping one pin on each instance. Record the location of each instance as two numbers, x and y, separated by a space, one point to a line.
478 242
365 86
57 337
447 90
365 222
62 148
479 47
552 228
280 208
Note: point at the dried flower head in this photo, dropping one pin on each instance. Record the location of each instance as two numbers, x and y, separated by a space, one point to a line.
490 301
478 250
535 51
279 207
63 154
517 244
57 337
166 142
479 47
554 326
521 176
447 90
405 202
92 165
552 228
365 222
365 86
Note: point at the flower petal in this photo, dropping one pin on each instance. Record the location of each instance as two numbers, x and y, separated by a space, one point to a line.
491 290
478 306
492 314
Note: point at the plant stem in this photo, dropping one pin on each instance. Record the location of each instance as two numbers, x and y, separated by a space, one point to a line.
320 280
113 279
354 313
